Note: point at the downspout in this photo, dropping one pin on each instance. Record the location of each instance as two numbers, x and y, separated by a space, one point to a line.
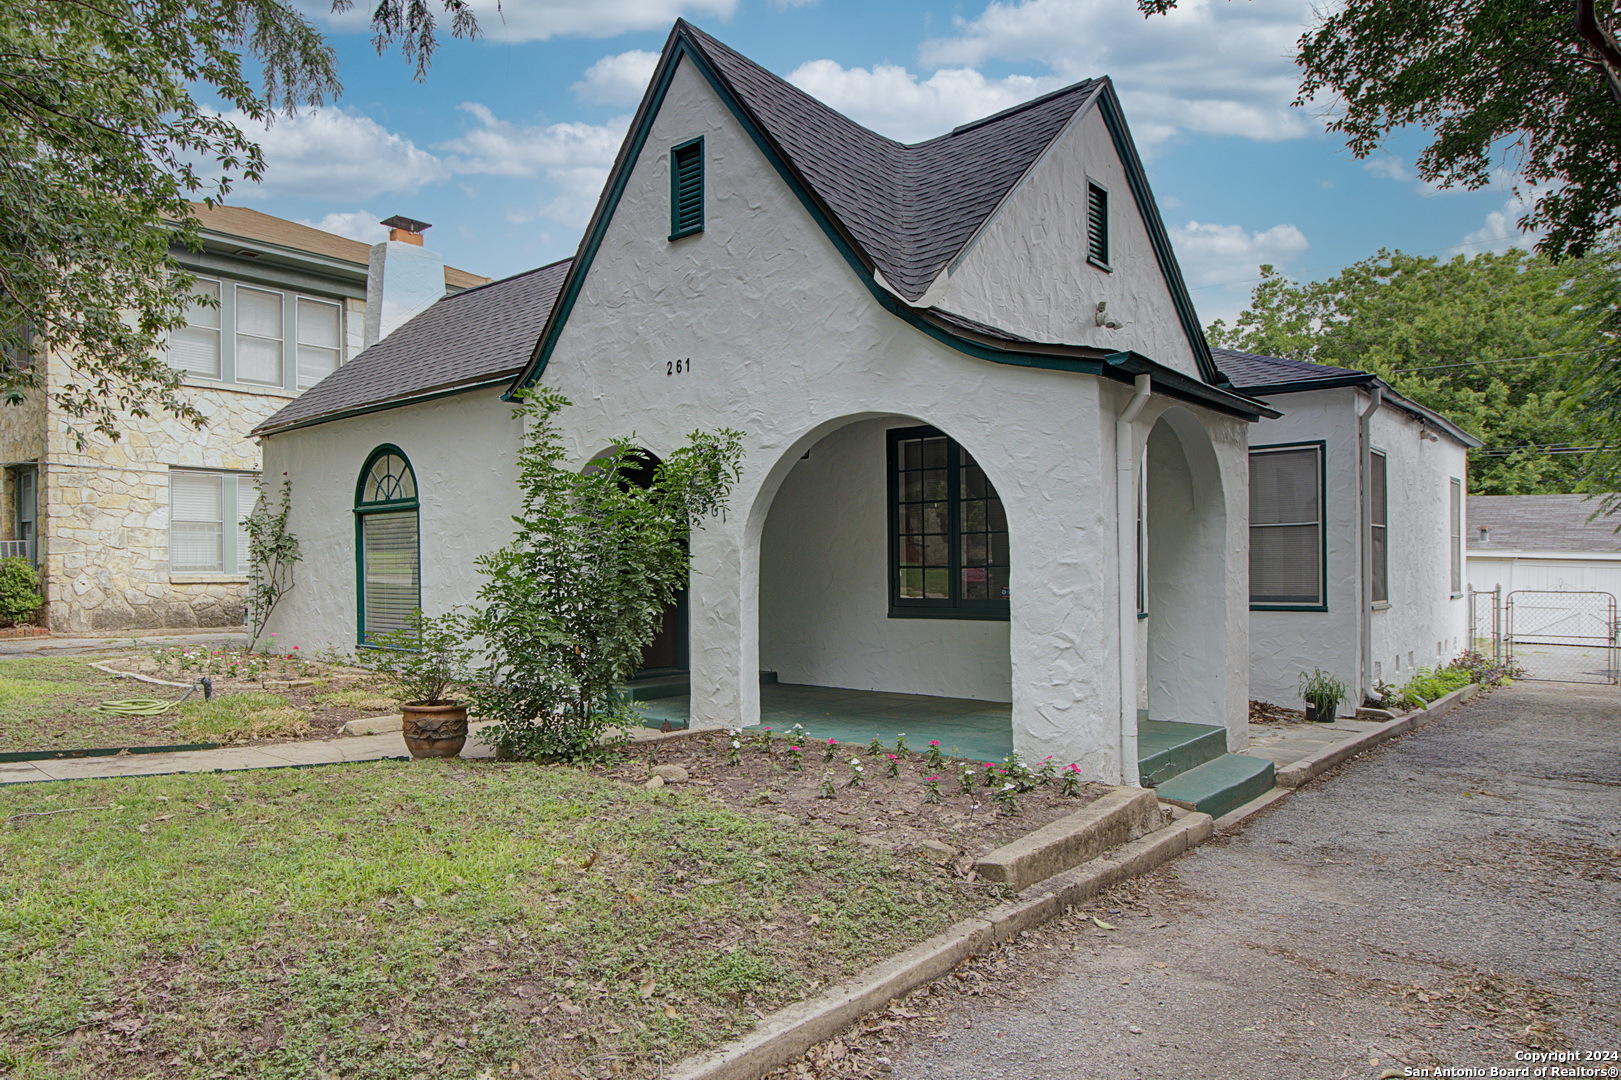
1125 507
1365 447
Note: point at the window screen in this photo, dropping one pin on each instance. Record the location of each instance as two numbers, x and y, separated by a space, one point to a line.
1379 529
1097 224
195 348
320 340
1286 526
1456 537
389 563
687 189
258 336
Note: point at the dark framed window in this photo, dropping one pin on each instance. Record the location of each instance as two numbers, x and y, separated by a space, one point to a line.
1287 559
387 555
1097 224
687 188
1379 527
1455 537
948 549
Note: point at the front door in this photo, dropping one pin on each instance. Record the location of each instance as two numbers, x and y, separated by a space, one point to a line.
668 651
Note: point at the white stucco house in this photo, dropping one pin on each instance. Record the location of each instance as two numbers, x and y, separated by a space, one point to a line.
1356 523
972 388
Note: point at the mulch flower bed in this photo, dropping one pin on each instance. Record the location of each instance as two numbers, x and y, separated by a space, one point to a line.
883 810
1264 712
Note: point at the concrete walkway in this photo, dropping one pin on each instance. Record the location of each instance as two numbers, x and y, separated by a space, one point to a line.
1449 898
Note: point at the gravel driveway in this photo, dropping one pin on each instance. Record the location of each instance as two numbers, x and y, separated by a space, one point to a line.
1451 898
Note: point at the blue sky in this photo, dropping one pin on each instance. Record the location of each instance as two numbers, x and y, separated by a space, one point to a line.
505 145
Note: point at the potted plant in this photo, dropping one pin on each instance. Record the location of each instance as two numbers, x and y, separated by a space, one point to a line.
1322 693
427 660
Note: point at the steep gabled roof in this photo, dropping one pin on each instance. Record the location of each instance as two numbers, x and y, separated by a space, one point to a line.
1264 376
482 336
910 208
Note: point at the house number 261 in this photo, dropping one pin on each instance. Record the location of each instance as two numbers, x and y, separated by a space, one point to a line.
678 367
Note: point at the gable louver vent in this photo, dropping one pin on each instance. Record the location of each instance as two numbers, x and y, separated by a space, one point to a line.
687 189
1097 225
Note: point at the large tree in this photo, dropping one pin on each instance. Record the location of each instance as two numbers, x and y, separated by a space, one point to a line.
1484 340
103 141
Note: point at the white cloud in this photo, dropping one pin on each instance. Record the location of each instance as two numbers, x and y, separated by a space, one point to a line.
1387 167
1209 66
540 20
322 152
362 225
894 102
1501 230
1213 255
619 79
573 157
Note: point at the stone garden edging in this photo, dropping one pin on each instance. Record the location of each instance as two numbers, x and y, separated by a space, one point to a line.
789 1032
1308 768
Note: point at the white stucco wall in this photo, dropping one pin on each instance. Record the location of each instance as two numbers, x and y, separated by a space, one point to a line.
1424 624
1285 644
463 450
824 589
780 340
1027 270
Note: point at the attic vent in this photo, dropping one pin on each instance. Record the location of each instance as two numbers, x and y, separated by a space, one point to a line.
1097 225
687 189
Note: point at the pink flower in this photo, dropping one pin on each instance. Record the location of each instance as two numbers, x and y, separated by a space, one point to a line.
931 778
891 757
295 648
832 742
793 748
934 742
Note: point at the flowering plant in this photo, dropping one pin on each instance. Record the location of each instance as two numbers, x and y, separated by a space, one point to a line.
795 757
893 765
933 756
1070 781
831 750
931 790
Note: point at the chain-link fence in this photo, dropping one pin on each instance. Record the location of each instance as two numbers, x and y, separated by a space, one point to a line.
1486 622
1562 636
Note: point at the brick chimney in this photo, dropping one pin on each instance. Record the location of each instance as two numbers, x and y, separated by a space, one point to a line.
403 278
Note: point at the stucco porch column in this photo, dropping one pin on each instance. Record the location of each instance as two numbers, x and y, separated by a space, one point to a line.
723 623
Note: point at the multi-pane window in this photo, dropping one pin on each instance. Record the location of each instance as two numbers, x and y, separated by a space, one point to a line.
262 337
948 530
206 515
386 533
687 189
1097 224
1286 526
1379 528
1455 537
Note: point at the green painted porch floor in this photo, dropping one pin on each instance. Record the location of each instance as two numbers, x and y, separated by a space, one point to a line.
982 730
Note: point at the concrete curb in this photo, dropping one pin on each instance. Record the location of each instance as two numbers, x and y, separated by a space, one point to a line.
1122 815
1308 768
787 1033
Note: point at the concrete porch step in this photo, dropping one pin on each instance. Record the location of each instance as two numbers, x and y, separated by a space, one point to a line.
1219 785
1165 749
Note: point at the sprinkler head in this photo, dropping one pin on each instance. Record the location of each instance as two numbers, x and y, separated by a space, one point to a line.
208 687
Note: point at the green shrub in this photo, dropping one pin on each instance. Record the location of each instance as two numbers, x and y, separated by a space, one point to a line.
1428 686
19 589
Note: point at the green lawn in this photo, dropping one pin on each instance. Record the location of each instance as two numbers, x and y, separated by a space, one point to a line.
430 919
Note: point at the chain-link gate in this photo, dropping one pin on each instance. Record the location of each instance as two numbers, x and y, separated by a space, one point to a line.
1562 636
1486 622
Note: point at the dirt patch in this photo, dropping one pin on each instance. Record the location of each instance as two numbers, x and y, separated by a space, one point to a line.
1264 712
884 811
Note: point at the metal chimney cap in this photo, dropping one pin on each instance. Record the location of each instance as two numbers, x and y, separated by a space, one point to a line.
410 225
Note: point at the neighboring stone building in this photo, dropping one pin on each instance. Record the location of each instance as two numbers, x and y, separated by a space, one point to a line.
145 532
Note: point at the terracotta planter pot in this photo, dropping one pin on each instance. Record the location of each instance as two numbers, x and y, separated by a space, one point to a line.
434 730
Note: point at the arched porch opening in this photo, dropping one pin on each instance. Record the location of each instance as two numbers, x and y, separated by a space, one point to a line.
666 656
883 590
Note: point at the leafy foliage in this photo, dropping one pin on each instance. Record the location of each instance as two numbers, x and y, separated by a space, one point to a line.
1323 692
19 589
1425 325
272 554
572 601
1594 382
426 659
1516 83
103 140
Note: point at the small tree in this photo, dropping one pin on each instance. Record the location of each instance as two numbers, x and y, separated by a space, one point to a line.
19 589
572 601
272 553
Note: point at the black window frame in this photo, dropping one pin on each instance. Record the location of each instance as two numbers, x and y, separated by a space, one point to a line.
1320 602
680 225
953 606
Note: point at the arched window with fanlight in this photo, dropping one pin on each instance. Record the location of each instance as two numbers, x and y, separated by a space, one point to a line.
388 559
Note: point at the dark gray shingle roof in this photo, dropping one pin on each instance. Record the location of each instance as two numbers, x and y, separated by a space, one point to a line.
1539 523
1251 372
910 208
479 335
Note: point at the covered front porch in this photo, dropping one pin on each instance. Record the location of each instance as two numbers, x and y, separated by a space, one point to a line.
1184 760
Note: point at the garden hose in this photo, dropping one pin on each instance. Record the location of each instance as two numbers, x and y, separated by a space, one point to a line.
140 706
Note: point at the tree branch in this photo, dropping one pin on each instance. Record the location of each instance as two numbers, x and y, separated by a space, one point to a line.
1602 41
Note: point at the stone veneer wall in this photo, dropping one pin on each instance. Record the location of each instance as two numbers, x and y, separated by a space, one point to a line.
104 511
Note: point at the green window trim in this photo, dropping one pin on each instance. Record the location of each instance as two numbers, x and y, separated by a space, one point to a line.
387 524
1455 534
955 559
1379 528
1097 225
1319 603
687 188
